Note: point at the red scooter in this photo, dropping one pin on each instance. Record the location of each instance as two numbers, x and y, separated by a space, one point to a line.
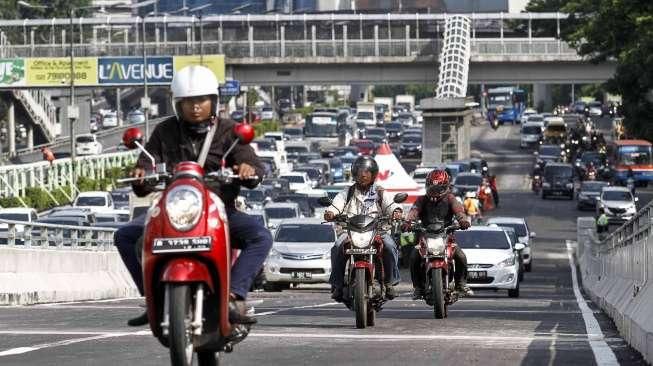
187 258
436 247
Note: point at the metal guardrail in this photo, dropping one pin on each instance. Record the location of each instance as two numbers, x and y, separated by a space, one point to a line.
15 179
20 234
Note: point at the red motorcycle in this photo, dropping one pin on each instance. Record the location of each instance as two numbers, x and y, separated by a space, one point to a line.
436 247
187 258
536 184
364 291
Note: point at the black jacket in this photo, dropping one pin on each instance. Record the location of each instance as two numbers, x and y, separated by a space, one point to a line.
171 143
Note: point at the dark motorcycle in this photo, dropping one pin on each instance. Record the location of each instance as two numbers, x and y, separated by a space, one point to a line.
364 290
536 184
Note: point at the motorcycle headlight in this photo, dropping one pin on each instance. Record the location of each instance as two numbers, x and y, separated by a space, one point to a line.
435 246
507 262
361 240
184 207
569 185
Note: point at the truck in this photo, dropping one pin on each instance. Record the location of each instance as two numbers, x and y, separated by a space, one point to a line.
386 104
406 101
365 114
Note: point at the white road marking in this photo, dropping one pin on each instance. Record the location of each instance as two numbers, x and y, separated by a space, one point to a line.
86 302
36 347
428 310
418 337
602 352
296 308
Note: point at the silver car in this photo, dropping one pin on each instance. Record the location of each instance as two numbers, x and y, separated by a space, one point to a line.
524 235
277 212
301 253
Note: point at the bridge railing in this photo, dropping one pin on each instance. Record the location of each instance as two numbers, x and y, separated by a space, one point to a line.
15 179
306 48
20 234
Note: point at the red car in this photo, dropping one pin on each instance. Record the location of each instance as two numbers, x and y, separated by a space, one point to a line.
365 147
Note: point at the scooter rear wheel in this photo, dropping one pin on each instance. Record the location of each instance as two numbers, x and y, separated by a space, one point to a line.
181 316
437 294
360 298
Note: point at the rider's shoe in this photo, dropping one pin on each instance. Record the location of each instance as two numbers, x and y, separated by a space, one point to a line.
336 294
390 292
463 289
238 313
138 321
418 293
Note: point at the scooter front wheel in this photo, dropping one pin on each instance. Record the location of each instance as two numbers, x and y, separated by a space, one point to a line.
181 317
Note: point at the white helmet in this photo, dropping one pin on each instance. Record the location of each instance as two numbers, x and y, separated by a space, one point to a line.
470 194
193 81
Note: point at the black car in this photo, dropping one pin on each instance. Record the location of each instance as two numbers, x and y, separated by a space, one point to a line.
479 166
411 146
394 131
549 153
588 194
305 158
466 182
558 180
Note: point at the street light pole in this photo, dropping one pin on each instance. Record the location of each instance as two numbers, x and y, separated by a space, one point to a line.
73 111
145 102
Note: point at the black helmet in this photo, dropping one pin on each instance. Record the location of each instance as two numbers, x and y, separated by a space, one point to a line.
363 163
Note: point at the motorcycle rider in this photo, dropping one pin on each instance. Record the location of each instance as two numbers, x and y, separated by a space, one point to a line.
180 138
439 204
472 207
364 197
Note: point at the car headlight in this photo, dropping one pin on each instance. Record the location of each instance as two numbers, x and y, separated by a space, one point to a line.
184 205
569 185
546 185
631 209
507 262
435 246
582 196
419 147
326 255
361 240
274 255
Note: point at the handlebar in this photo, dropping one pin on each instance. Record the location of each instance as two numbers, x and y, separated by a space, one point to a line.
214 175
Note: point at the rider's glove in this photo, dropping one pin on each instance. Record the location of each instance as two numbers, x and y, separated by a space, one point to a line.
464 224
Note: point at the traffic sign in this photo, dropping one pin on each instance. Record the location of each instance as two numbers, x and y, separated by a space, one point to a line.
230 88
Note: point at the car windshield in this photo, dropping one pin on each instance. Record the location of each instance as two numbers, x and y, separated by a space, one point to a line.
105 219
280 212
296 150
520 229
557 171
253 195
120 196
479 239
591 157
365 115
592 186
550 150
393 127
91 201
264 145
365 144
313 174
531 130
616 196
14 216
468 180
556 128
294 178
85 139
420 174
375 132
293 131
535 119
411 140
313 233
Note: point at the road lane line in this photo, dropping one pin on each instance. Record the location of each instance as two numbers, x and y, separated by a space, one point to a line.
86 302
602 352
418 337
21 350
296 308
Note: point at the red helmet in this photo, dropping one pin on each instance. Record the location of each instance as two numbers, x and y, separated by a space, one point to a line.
437 183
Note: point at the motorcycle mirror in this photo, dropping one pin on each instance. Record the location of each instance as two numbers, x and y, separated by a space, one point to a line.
519 246
324 201
533 235
244 132
400 197
536 153
131 136
636 199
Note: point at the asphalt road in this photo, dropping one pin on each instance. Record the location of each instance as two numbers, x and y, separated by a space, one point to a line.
303 326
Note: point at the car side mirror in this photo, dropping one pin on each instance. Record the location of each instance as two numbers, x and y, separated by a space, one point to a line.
533 235
519 247
400 197
244 132
132 137
324 201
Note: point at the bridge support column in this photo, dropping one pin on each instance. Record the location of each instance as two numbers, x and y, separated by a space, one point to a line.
344 40
11 127
313 41
282 40
376 40
118 107
446 130
542 99
30 135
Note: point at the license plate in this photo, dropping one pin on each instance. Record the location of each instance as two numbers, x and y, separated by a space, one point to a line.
476 275
301 275
361 251
173 245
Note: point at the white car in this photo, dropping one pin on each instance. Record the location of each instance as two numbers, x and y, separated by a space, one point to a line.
87 144
524 235
135 116
299 181
419 174
96 201
530 134
277 212
15 214
110 119
267 113
595 109
528 112
301 253
492 262
277 136
617 203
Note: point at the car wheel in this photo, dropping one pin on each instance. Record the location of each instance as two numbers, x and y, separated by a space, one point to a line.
514 292
272 287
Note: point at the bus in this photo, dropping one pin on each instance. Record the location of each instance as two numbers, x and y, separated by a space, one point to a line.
329 128
635 155
507 103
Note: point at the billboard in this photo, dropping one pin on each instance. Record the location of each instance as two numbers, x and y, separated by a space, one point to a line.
12 72
55 71
100 71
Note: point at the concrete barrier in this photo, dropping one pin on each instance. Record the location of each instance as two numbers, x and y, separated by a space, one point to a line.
615 274
36 275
